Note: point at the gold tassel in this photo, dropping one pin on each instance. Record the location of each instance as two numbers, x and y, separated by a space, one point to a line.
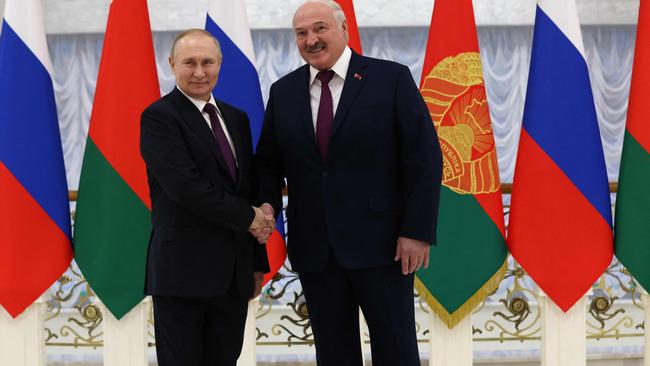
464 310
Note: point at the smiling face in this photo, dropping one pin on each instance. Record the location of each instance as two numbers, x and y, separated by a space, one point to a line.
195 62
320 39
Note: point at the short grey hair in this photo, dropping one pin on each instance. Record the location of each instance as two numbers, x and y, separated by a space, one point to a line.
339 15
190 31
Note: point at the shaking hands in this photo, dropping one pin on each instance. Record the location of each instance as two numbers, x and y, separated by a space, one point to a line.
263 223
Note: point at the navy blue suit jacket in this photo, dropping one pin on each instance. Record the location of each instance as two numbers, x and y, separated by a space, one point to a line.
381 178
199 242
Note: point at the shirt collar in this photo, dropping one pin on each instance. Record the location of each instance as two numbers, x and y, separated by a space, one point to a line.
200 104
340 68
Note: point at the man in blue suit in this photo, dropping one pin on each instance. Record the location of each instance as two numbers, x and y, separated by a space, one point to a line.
353 138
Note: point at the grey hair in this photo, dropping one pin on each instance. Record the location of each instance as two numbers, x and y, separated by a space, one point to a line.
188 32
339 15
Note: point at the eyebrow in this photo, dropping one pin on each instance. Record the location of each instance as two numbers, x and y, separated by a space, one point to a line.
192 58
320 22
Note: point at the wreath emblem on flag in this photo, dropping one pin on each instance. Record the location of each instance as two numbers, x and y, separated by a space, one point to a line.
454 92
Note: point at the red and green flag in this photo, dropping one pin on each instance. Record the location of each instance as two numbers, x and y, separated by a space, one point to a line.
113 219
632 220
469 261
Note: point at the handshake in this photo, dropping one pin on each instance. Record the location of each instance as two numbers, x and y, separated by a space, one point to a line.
263 223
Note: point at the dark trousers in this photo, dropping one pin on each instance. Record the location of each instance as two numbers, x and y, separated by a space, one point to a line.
199 331
385 296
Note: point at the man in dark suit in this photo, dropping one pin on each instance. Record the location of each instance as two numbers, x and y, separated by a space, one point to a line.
204 263
355 142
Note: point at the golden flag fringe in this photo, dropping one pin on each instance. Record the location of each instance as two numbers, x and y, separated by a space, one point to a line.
452 319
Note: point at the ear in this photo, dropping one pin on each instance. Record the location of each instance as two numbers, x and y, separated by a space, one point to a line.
171 62
344 26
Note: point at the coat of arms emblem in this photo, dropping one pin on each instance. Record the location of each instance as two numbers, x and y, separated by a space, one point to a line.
455 96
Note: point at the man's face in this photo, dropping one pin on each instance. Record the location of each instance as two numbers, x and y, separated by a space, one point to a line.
320 39
196 64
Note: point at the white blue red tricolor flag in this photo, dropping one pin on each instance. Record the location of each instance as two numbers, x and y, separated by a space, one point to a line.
35 244
560 220
239 85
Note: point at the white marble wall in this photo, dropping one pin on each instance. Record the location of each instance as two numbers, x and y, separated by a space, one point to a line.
89 16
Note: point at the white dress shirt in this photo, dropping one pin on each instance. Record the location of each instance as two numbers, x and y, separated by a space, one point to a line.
200 104
340 69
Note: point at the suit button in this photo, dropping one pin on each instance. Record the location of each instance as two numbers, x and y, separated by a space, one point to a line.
324 174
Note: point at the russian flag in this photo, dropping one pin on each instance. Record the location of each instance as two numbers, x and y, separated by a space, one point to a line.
560 219
34 211
239 85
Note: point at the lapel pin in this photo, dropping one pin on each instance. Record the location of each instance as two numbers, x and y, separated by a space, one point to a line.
357 76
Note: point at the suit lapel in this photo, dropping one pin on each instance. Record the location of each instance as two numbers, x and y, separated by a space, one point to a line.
193 117
305 105
354 81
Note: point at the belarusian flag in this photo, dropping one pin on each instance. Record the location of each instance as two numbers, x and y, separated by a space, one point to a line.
632 228
353 31
469 261
114 211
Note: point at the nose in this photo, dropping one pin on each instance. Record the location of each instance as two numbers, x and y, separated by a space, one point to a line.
199 72
311 39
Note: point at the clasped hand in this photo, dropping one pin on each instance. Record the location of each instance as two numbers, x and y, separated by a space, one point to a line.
263 223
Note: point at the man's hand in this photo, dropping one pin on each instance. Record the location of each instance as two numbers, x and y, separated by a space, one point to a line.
258 278
263 223
269 212
413 253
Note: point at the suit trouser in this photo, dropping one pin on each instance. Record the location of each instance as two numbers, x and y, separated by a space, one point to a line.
199 331
385 296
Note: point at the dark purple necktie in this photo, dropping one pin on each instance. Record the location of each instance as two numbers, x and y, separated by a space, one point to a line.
222 141
325 113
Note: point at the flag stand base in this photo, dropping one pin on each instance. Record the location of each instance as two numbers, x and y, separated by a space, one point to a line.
450 347
22 340
247 356
125 340
563 334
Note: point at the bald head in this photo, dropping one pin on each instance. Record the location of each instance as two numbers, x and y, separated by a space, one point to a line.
194 32
339 15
